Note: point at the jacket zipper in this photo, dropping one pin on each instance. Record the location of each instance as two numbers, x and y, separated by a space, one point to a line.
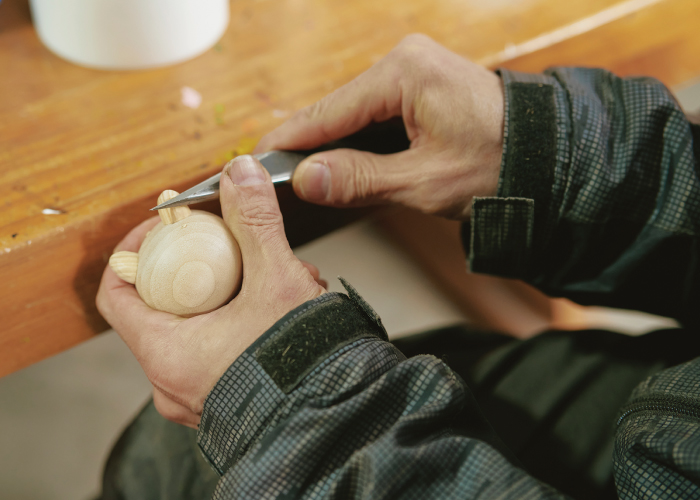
666 405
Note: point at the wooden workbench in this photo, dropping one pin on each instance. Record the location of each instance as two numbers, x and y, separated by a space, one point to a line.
84 153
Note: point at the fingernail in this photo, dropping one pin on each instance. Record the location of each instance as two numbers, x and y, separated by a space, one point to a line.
316 182
245 171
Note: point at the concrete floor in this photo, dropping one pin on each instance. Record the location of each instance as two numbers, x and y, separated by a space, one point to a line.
59 418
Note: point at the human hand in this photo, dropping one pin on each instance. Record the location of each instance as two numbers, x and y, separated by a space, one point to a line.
453 111
184 358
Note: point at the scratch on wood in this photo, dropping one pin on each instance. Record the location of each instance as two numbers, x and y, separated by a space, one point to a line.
53 211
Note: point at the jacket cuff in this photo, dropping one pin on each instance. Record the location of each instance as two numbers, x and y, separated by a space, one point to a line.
500 241
505 229
248 397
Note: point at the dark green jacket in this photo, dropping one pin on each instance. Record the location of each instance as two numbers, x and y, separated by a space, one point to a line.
599 201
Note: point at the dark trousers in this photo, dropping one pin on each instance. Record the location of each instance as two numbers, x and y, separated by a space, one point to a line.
553 400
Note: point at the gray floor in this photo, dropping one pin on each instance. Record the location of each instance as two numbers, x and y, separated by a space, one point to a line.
59 417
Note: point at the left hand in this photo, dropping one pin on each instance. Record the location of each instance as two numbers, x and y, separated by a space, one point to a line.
184 358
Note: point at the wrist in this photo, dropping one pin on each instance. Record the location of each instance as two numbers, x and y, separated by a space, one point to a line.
507 228
493 157
486 154
258 387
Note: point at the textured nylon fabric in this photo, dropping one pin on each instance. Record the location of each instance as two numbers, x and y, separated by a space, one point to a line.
506 251
553 399
365 424
619 226
657 452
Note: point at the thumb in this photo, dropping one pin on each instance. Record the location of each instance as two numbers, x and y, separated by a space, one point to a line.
347 177
251 211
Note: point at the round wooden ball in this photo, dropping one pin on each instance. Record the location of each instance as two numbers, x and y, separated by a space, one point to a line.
189 267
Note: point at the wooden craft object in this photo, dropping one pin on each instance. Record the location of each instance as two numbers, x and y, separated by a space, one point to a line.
188 264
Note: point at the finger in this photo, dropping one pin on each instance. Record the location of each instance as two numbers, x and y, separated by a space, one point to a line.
251 211
173 411
117 300
371 97
121 306
137 324
315 273
382 92
347 177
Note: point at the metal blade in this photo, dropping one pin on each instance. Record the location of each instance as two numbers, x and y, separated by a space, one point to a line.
280 164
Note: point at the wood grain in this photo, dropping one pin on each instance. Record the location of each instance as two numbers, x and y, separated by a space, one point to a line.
658 41
83 153
125 264
188 267
174 214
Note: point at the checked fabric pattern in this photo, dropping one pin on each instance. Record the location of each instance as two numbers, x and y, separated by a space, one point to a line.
657 450
614 188
365 423
598 201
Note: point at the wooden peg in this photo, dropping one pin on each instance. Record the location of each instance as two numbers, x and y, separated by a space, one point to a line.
171 215
124 264
184 269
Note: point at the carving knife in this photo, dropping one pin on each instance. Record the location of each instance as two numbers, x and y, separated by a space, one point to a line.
280 164
380 138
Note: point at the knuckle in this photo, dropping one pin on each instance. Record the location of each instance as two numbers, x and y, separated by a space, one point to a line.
318 114
290 294
415 57
316 111
166 411
261 217
430 205
364 182
259 213
416 39
412 45
267 142
361 187
312 269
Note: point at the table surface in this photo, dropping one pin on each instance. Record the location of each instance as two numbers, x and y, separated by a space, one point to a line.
96 147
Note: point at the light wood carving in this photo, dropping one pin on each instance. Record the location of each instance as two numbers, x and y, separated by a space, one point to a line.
124 264
171 215
188 264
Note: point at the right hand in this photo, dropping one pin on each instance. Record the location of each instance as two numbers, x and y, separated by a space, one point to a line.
453 111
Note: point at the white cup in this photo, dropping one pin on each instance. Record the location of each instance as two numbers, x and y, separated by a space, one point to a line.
129 34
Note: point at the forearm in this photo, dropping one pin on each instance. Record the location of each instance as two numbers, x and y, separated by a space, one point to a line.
363 422
605 196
